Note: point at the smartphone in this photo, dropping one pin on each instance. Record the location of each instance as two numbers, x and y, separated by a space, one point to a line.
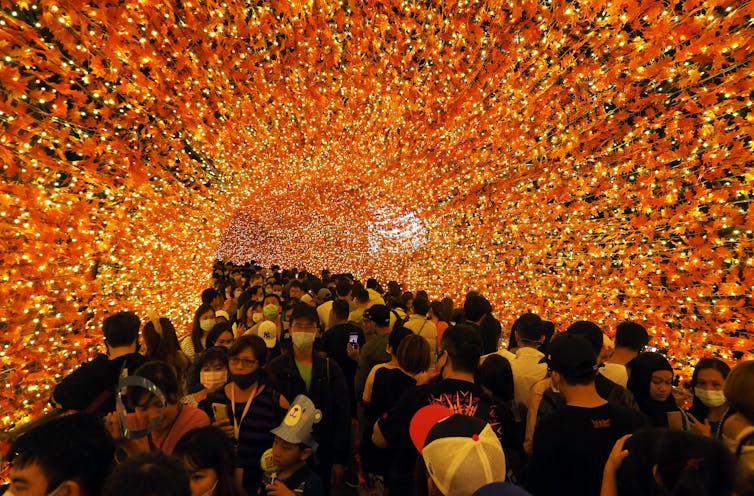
220 410
353 340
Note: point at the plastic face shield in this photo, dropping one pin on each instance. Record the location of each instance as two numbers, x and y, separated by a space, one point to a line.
120 407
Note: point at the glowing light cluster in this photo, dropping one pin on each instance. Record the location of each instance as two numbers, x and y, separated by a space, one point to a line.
585 160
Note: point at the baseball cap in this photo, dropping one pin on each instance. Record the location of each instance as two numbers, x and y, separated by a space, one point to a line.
462 453
379 314
223 314
323 294
269 332
307 298
297 425
572 355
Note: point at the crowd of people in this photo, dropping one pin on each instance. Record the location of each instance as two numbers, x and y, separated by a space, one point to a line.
291 383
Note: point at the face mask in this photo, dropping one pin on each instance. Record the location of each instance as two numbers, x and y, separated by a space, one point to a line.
207 324
709 398
257 317
211 491
245 381
213 379
270 311
303 340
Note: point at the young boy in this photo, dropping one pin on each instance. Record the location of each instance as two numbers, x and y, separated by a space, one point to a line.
293 446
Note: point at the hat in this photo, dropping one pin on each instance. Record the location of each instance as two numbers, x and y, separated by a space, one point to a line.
307 298
379 314
223 314
572 356
269 332
297 425
462 453
501 489
323 294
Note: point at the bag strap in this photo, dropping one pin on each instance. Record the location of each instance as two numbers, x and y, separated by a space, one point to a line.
747 440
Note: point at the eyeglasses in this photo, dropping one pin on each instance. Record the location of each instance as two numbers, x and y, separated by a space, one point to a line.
246 362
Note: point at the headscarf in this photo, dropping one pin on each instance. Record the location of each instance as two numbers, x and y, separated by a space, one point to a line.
639 381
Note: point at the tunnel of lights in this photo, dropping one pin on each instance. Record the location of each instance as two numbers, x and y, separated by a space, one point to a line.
584 160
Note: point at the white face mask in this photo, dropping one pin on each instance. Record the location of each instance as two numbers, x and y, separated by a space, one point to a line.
710 398
213 379
207 324
257 317
303 340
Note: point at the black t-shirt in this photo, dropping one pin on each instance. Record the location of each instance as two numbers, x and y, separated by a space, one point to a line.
571 446
335 342
460 396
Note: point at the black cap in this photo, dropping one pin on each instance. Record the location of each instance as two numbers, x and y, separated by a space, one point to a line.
572 356
379 314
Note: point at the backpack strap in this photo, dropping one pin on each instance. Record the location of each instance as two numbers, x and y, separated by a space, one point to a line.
747 440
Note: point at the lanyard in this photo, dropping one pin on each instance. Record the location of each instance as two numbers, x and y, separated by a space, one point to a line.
237 422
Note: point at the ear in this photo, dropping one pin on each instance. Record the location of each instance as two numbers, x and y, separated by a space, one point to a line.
656 474
69 488
306 453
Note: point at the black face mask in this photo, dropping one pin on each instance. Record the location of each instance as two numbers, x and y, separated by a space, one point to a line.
245 381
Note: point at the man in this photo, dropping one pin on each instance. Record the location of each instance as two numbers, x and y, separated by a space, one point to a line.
359 303
420 324
91 387
335 344
69 455
211 296
457 362
630 340
461 453
572 444
295 291
302 371
526 365
478 311
342 292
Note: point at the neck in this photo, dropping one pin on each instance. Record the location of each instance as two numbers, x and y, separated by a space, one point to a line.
302 356
119 351
581 395
622 356
450 373
716 413
383 330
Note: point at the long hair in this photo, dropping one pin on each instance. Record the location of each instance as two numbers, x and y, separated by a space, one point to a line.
698 409
209 447
162 344
196 329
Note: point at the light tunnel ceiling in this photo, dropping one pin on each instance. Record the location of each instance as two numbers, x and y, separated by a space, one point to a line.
583 160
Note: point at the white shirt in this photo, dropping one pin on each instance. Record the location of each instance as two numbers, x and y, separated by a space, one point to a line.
324 314
526 371
421 325
616 373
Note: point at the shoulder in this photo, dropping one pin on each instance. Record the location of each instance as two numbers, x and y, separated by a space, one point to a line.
194 416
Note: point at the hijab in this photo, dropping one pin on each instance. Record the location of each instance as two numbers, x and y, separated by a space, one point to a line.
639 381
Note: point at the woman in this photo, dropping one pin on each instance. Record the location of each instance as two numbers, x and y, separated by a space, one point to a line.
209 458
251 314
252 406
738 430
212 367
204 320
162 345
709 408
168 422
221 335
651 382
440 318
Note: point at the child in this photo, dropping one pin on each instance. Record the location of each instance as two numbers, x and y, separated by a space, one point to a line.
293 446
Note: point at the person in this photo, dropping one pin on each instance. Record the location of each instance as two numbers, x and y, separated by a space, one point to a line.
385 385
250 314
162 345
461 453
455 388
526 365
213 374
360 302
213 298
630 340
150 474
335 344
651 382
209 457
675 463
478 310
91 387
70 454
709 408
572 444
166 421
439 315
738 429
293 446
204 320
421 325
302 371
220 335
251 406
376 322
